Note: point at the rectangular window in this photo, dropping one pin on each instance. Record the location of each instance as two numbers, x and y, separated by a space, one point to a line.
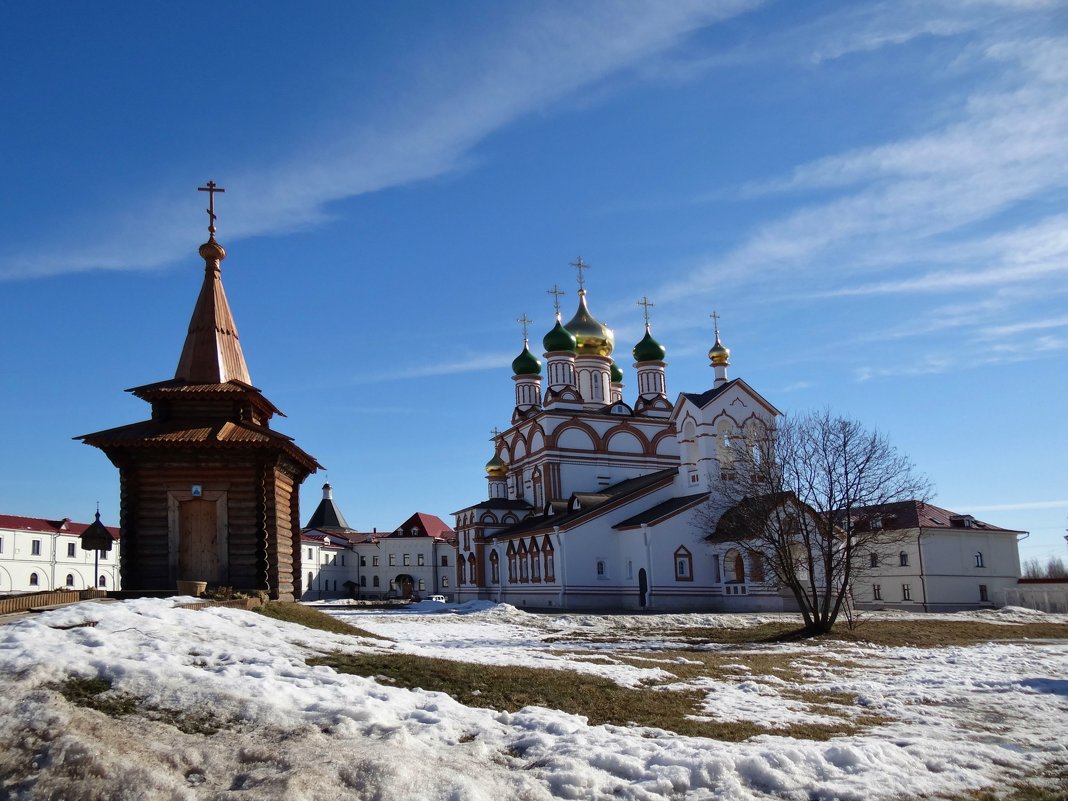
444 560
602 569
444 581
983 596
363 581
874 559
309 553
103 556
35 548
374 581
422 584
1 544
342 560
374 560
420 560
392 560
906 592
363 561
903 559
70 549
407 559
877 592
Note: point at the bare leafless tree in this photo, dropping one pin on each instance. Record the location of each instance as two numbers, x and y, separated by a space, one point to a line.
791 499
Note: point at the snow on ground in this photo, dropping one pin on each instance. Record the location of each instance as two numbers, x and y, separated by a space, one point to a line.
956 717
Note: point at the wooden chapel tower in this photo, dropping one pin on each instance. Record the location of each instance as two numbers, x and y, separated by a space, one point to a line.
209 492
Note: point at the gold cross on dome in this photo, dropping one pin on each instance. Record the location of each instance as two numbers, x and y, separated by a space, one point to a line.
524 321
715 321
648 304
211 189
580 265
556 292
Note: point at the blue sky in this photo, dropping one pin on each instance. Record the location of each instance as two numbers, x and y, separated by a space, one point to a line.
874 196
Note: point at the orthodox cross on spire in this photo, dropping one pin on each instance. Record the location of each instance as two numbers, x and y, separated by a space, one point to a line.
556 292
715 322
648 305
496 432
524 321
580 265
211 189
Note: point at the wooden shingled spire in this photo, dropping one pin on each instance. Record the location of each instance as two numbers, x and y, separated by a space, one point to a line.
212 352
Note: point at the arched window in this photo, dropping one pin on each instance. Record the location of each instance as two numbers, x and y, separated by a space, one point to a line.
524 566
34 581
102 581
495 568
689 442
512 577
535 561
472 573
311 579
903 559
734 567
461 570
979 559
375 582
756 567
547 557
70 580
683 564
539 495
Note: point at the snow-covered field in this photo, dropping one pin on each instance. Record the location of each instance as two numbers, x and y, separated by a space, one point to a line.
952 718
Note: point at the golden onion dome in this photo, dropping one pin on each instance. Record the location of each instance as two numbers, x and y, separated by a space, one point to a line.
593 337
495 467
720 356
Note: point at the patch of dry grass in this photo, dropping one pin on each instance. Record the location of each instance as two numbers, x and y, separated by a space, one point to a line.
312 618
600 700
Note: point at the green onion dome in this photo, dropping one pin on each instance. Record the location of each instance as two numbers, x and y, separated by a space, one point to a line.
495 467
648 350
559 339
526 363
593 337
617 374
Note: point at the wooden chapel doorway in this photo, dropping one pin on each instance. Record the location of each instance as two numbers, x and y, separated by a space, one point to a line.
198 537
198 546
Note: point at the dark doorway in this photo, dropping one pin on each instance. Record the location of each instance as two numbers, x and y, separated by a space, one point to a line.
643 587
405 585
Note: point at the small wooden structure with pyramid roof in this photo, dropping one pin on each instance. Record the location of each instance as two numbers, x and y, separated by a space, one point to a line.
209 492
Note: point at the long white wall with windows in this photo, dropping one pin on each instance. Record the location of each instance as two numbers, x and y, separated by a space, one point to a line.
38 555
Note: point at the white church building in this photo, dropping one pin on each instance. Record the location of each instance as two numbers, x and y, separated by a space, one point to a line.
592 499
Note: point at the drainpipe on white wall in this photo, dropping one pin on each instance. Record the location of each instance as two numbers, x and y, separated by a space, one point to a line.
648 567
923 576
558 553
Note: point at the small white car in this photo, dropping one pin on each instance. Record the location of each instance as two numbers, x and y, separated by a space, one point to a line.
439 598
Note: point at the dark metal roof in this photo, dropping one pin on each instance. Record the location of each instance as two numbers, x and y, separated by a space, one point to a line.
702 399
746 518
497 503
662 511
617 492
326 515
917 514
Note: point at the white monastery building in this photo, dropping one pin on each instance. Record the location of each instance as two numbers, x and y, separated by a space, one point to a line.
592 499
414 561
38 554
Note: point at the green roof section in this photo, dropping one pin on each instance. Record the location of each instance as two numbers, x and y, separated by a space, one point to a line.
617 374
526 363
559 339
649 350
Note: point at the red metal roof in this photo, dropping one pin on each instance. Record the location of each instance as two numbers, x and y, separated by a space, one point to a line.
917 514
431 524
65 526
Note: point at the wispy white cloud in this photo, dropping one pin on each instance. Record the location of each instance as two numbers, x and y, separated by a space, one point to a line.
477 363
544 57
1020 506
